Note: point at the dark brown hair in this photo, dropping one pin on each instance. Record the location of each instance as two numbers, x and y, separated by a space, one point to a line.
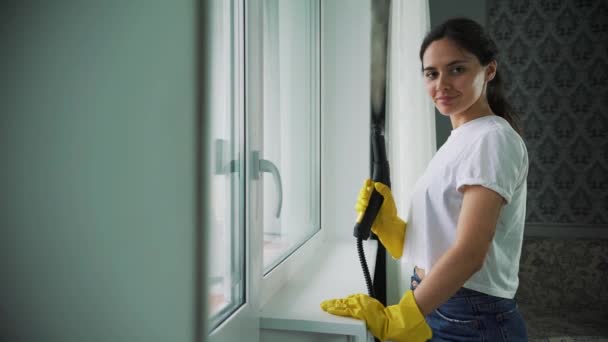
471 36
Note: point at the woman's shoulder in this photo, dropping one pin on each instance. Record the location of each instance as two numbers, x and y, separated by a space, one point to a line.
493 143
499 132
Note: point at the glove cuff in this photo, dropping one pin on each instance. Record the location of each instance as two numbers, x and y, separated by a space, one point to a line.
406 322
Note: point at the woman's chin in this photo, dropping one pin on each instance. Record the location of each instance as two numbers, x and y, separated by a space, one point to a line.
447 110
444 111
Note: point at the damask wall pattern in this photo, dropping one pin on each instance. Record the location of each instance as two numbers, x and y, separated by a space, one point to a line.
554 59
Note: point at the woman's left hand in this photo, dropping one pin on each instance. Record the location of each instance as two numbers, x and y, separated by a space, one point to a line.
401 322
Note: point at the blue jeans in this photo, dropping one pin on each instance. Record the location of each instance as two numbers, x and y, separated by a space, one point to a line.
474 316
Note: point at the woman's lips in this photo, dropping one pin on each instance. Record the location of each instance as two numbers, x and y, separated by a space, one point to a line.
445 99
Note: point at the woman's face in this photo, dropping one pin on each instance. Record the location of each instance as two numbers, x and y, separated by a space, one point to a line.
454 78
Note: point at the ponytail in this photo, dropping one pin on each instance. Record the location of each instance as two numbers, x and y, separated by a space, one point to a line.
499 103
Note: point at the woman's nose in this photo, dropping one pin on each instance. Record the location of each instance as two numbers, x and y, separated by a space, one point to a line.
441 83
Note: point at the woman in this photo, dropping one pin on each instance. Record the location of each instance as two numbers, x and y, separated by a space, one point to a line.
466 220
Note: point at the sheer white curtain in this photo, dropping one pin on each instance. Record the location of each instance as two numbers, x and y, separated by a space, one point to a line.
410 117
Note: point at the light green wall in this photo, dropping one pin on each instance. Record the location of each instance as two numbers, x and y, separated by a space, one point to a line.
440 10
97 114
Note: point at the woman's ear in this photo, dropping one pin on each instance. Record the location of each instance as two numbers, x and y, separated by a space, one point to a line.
491 70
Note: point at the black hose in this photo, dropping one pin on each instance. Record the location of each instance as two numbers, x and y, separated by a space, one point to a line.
363 261
368 278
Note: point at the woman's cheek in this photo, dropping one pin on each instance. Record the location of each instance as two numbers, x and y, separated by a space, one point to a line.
430 89
478 82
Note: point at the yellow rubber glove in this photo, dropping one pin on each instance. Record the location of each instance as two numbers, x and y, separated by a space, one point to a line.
387 225
401 322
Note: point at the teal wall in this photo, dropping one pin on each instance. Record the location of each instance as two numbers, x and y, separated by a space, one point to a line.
97 141
440 10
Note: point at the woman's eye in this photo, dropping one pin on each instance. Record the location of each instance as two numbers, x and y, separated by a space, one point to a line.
430 74
457 70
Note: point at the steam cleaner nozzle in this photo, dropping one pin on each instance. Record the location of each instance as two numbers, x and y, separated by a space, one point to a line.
381 173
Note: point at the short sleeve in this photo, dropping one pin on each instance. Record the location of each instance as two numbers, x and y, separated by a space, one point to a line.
496 161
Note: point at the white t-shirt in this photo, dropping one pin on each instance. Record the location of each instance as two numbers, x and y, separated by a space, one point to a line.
485 151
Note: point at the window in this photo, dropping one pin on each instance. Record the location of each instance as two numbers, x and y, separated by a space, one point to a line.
226 266
265 143
291 115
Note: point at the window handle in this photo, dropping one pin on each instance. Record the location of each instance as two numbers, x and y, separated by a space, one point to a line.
222 166
262 165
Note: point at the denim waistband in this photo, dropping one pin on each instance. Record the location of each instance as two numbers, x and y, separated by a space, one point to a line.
464 295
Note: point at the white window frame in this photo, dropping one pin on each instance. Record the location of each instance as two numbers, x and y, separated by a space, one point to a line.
270 283
244 323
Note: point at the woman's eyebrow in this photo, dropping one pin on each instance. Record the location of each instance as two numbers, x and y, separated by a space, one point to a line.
449 64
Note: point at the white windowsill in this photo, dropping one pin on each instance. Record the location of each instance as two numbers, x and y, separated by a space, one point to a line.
334 272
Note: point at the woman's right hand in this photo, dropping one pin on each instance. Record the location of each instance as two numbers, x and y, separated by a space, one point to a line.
387 225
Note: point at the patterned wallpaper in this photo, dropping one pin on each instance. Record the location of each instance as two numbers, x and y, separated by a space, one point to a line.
554 54
562 287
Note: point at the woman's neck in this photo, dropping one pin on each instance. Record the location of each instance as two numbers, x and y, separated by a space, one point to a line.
478 109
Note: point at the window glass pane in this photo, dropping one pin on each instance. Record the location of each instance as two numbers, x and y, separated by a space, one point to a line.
291 125
226 257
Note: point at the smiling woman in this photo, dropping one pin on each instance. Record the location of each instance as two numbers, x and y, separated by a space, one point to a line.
461 73
466 215
475 188
455 80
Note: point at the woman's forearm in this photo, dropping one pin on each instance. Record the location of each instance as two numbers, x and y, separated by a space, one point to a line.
448 275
